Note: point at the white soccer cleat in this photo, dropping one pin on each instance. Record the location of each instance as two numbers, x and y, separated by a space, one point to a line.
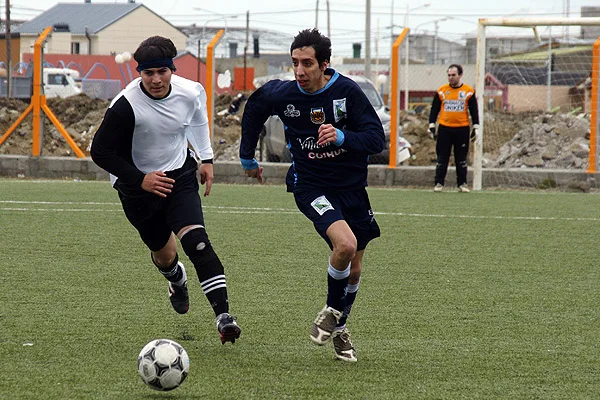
344 349
324 324
463 188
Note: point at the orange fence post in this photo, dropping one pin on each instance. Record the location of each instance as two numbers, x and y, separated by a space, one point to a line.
38 65
210 79
394 104
38 105
593 162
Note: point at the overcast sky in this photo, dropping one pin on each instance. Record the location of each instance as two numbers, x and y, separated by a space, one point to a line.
454 19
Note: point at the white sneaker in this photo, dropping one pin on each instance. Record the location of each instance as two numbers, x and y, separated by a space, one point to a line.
344 349
438 187
324 324
463 188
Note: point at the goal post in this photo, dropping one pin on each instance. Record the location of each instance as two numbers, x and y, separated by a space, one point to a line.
482 73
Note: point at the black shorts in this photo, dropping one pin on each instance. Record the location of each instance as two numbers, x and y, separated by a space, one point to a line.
324 208
156 217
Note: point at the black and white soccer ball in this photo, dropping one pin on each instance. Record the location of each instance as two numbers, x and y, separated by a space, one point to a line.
163 364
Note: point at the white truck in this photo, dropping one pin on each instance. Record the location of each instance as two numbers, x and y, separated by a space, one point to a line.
61 82
58 82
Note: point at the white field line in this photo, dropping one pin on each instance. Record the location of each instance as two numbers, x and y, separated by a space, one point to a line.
267 210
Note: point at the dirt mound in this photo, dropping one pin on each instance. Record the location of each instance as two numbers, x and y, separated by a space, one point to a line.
512 140
81 116
537 140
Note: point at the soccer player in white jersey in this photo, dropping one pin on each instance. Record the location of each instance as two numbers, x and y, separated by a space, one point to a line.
143 143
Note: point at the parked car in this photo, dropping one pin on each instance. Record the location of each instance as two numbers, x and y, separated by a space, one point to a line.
274 138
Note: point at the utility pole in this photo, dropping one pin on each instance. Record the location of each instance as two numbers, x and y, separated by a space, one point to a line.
8 49
328 17
328 21
435 41
368 41
246 46
199 50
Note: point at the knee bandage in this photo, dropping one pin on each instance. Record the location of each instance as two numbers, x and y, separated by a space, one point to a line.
210 271
197 247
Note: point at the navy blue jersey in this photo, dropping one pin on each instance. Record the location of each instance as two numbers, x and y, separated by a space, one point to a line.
340 103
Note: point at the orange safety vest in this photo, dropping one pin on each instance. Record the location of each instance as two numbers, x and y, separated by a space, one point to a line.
454 110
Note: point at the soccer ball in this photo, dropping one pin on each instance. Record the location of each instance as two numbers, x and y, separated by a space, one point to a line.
163 364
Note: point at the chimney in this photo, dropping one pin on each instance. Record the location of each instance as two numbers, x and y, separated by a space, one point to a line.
233 49
61 27
356 50
256 51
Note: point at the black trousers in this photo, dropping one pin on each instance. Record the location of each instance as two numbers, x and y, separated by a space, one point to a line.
448 138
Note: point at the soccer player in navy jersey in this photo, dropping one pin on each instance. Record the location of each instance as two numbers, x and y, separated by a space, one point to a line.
331 129
143 143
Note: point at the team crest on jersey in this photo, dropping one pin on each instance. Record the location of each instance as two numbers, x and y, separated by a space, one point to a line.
317 115
291 111
339 109
462 95
321 205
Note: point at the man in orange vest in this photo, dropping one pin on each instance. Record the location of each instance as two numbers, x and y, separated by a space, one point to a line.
451 107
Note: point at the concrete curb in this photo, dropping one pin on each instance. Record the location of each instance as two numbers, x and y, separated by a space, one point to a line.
18 166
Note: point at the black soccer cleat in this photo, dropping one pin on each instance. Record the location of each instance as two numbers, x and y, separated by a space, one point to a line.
180 300
228 329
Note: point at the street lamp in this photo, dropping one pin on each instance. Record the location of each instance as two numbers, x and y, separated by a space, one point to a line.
435 35
435 39
221 16
406 55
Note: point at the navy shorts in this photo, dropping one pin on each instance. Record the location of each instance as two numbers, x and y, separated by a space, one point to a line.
156 217
324 208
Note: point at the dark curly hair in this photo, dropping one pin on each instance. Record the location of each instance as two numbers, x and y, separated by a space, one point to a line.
458 67
313 38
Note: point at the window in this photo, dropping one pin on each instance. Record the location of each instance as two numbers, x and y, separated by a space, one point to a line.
74 47
372 94
57 79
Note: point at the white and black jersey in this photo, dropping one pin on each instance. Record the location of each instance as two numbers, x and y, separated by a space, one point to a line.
141 134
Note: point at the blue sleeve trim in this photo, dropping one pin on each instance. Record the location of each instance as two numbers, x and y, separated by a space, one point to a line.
249 164
340 137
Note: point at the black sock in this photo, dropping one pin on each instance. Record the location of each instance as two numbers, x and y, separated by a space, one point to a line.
208 267
173 273
211 275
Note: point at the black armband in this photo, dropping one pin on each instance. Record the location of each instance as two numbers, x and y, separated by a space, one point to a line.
207 161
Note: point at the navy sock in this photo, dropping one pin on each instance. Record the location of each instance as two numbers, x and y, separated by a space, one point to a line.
336 287
350 297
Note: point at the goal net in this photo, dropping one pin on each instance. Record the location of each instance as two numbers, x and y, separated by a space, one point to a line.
536 104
